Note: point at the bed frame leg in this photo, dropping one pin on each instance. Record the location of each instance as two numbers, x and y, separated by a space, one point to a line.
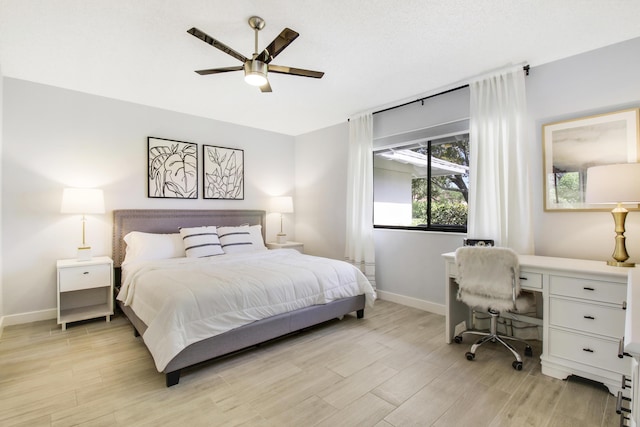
360 313
172 378
136 333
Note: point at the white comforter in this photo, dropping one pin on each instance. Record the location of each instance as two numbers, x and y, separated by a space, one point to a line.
185 300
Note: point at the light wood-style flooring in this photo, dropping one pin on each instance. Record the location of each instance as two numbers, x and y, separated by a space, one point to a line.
391 368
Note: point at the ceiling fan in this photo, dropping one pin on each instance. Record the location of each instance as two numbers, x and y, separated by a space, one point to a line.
256 68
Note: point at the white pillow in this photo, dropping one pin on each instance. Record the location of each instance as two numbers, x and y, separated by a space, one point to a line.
243 238
149 246
200 242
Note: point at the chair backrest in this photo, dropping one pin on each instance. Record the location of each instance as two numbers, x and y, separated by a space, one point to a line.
488 277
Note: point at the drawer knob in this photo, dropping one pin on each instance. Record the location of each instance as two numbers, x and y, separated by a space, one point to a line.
587 288
624 305
589 317
588 350
523 278
86 272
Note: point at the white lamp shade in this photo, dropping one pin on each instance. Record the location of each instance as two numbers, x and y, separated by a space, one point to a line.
283 204
82 201
618 183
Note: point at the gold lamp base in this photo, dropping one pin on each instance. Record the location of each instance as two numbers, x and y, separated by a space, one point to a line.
621 264
620 254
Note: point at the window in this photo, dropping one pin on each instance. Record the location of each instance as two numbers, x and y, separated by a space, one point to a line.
423 185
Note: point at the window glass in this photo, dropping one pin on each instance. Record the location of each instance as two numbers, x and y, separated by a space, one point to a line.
423 184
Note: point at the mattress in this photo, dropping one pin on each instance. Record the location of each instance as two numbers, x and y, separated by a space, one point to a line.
186 300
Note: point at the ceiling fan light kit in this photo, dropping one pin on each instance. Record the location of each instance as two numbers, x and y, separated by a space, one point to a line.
255 73
257 68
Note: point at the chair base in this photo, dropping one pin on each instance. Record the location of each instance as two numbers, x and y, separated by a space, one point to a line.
493 336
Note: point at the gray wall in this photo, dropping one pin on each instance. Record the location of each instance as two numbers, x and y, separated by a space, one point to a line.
1 151
595 82
55 138
409 267
321 176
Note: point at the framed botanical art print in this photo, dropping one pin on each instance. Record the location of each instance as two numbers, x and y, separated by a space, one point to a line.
223 173
572 146
172 169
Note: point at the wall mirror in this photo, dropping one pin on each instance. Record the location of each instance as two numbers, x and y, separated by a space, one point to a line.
573 146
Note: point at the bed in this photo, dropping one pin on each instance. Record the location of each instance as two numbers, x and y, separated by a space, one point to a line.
206 339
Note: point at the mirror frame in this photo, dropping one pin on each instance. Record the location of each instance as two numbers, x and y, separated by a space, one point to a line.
572 146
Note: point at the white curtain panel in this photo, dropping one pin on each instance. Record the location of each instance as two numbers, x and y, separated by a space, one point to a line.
359 248
500 197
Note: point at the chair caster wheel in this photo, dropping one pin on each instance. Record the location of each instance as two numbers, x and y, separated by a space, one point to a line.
528 352
457 339
517 365
470 356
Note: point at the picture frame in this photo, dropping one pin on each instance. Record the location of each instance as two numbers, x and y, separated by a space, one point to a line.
223 173
570 147
172 169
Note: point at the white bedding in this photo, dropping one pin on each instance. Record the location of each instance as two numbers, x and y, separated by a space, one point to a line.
186 300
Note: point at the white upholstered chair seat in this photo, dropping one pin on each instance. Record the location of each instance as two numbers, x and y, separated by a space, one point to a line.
489 281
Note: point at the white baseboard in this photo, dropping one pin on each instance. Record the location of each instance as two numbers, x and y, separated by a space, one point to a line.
412 302
32 316
36 316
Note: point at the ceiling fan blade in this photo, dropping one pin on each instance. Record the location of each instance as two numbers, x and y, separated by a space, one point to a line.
219 70
277 45
215 43
281 69
265 88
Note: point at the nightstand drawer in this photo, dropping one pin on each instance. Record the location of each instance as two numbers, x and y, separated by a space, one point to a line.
84 277
593 318
597 352
596 290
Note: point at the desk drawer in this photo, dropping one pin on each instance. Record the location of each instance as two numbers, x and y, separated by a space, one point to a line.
595 290
86 277
530 280
597 319
596 352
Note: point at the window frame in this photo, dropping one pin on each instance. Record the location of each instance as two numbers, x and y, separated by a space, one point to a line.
429 227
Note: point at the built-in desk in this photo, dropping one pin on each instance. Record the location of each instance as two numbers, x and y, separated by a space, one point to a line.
583 315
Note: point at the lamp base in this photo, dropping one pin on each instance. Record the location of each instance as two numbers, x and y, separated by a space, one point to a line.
84 253
621 264
620 255
281 238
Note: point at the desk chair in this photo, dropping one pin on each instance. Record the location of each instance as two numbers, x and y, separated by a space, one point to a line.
489 281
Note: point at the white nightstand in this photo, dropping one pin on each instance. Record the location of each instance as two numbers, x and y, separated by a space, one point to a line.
288 245
85 289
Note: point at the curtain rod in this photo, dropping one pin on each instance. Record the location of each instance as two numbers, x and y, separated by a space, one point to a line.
526 73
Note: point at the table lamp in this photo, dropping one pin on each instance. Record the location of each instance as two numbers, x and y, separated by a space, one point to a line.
617 183
83 201
282 205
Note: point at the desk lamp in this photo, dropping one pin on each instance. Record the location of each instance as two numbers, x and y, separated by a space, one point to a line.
83 201
615 184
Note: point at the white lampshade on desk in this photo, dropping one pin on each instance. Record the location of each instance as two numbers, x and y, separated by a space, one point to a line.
281 205
615 184
83 201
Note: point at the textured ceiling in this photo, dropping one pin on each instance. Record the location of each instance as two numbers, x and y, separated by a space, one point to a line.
374 53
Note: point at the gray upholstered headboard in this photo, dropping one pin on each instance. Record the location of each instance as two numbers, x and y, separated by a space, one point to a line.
171 220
